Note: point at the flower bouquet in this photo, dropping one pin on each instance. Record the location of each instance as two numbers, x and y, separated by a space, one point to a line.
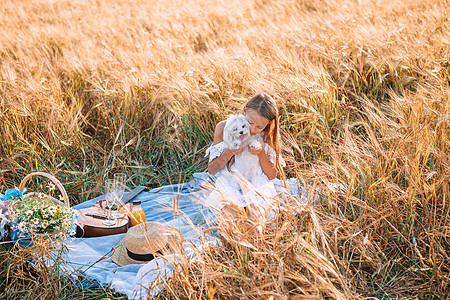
38 215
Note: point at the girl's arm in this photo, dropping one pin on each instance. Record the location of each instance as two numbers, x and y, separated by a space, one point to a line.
219 163
266 165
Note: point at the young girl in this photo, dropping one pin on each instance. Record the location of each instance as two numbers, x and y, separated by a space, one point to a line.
228 165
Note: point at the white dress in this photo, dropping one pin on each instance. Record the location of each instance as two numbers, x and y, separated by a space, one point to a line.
246 182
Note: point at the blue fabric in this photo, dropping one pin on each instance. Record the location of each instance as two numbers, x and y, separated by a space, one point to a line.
90 257
12 194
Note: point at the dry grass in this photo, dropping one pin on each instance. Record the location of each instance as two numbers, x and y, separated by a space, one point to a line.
90 87
31 270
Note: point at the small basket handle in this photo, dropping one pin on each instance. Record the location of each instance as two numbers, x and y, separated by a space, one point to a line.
51 178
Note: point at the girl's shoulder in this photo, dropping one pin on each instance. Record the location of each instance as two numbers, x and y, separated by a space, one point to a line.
218 132
221 125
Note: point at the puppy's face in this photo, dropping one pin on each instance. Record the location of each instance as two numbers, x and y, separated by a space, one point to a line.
239 128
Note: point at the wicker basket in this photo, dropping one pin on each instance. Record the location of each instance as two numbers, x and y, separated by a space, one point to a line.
52 179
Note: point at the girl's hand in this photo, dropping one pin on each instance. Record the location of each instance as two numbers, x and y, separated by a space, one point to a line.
236 151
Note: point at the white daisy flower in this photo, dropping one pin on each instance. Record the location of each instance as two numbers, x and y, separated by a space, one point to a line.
22 227
51 210
51 186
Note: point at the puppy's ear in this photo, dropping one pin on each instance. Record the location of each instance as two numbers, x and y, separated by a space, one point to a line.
229 119
242 118
232 118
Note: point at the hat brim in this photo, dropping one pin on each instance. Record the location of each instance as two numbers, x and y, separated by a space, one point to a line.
120 255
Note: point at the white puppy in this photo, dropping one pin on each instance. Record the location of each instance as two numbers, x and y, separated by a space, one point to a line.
236 131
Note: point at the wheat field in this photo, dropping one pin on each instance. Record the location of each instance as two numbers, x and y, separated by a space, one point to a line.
88 88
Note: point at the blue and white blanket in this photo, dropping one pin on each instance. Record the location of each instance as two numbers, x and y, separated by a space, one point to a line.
91 256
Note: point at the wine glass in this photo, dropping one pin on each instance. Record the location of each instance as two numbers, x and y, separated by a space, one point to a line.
110 198
120 179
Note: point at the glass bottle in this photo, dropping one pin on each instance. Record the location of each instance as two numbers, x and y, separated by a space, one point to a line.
137 213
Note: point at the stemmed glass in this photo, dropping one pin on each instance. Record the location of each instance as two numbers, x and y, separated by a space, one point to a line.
120 179
110 198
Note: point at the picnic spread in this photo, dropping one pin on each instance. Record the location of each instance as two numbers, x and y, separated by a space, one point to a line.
177 221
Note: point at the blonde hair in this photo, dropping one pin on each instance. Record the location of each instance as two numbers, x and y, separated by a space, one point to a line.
267 108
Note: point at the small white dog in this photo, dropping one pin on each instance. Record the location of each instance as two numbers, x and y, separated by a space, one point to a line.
236 131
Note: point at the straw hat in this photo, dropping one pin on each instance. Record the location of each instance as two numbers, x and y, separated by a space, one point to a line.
146 241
